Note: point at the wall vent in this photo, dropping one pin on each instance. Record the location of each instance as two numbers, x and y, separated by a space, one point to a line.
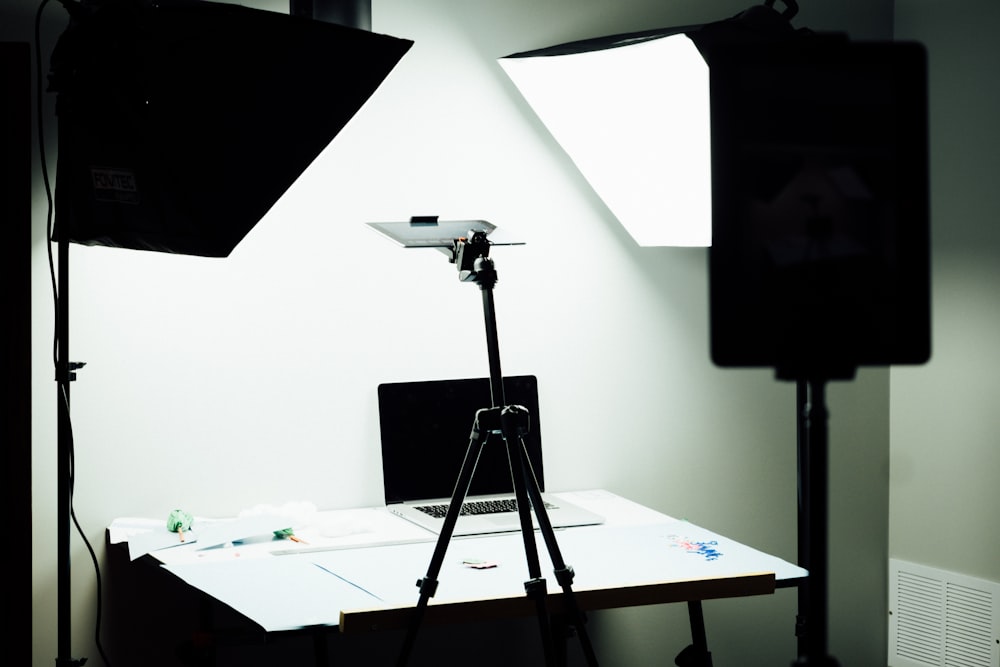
941 619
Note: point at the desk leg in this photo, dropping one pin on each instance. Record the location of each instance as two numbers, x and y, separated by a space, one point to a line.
320 647
697 654
562 630
199 650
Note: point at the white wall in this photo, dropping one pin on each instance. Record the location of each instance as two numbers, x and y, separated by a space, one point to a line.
945 452
215 385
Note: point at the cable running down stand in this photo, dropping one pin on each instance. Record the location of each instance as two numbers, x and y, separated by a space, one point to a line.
511 422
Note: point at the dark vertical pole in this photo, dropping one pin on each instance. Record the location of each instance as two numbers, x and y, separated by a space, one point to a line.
493 351
802 436
64 442
64 467
15 349
700 655
819 525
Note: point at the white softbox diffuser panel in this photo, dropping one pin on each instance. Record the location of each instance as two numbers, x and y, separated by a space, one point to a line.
634 118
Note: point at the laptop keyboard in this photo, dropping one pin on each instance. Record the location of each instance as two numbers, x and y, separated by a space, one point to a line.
474 507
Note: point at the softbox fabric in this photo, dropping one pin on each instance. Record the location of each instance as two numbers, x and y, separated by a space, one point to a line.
182 123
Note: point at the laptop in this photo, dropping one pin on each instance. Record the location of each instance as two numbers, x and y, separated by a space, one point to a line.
425 428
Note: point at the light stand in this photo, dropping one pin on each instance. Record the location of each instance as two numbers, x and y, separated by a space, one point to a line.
812 421
813 478
820 257
65 373
195 83
811 623
819 214
511 422
802 490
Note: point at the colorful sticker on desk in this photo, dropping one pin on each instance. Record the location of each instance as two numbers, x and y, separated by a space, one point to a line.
705 549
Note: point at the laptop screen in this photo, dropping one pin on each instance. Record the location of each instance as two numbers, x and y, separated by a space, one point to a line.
425 429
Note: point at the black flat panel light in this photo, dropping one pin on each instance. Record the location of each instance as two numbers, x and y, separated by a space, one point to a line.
182 123
820 260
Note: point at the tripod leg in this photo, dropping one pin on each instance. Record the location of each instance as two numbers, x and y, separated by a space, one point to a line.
514 422
428 585
564 574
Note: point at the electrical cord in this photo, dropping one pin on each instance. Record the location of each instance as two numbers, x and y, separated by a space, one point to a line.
64 402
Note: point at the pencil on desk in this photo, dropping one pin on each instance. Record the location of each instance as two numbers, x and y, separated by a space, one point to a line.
287 533
178 521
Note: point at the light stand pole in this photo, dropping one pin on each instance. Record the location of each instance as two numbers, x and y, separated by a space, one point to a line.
802 464
814 524
65 373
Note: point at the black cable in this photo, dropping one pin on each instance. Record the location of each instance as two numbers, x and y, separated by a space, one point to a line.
86 542
45 172
64 403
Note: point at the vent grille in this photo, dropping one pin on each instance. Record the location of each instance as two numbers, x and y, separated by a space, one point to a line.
941 619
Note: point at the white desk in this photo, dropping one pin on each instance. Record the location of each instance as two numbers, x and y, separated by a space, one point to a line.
363 578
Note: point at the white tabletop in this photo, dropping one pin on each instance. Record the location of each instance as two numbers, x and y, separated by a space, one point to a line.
358 563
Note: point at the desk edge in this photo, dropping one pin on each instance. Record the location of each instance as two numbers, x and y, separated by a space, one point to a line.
358 621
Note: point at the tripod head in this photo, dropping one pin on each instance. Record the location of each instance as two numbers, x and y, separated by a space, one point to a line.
471 257
466 242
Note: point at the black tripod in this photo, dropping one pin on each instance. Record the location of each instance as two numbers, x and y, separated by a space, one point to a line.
512 422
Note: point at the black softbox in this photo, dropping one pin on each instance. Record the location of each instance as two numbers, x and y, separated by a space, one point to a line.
182 123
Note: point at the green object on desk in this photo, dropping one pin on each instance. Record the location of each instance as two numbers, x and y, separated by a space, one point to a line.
288 534
179 521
